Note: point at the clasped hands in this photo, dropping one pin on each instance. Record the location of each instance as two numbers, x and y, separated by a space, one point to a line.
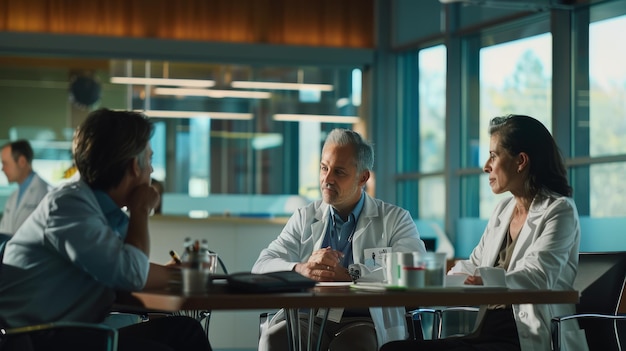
324 265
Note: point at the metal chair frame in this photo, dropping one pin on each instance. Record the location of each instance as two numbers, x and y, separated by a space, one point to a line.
601 278
438 314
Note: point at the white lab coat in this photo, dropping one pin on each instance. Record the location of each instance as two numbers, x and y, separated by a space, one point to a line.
545 257
379 225
13 216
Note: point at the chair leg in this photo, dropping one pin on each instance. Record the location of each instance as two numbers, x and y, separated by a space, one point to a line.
556 333
206 316
414 323
437 324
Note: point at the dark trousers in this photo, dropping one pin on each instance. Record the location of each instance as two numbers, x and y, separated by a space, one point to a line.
352 333
167 334
497 332
176 333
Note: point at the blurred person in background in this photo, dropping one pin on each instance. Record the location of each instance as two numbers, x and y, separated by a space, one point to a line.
17 158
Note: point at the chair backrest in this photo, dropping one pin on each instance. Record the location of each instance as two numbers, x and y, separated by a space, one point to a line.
600 279
3 242
222 266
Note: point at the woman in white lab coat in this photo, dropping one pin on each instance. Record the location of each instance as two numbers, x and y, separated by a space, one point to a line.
534 236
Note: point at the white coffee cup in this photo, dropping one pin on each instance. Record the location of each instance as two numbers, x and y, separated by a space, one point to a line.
391 268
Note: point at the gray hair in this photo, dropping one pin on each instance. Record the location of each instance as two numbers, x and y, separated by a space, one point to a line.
364 151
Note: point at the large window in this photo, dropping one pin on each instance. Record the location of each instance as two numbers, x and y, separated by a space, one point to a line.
422 138
515 78
607 88
562 67
505 70
432 109
607 119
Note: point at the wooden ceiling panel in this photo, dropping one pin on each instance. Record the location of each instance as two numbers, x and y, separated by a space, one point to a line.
332 23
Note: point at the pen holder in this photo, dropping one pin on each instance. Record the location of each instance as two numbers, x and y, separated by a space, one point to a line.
198 266
195 281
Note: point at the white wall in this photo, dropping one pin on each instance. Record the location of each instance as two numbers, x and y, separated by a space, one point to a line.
238 241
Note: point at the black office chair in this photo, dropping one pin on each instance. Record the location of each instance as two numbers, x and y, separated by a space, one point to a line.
422 323
4 237
93 337
600 279
414 323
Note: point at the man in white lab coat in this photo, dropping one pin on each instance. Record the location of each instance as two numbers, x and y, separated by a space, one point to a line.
322 239
17 158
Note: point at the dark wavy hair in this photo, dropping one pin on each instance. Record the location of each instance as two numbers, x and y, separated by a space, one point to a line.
520 133
106 142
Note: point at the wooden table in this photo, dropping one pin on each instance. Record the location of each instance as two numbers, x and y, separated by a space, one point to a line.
219 298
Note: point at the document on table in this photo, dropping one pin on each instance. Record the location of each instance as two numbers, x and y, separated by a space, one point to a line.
492 276
333 283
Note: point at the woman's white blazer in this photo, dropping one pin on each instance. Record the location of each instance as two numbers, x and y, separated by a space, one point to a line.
545 257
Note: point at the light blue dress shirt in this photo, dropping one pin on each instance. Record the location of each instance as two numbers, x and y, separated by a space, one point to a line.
117 219
22 187
68 259
340 233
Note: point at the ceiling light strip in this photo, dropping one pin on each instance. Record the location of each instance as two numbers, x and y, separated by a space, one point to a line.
316 118
280 86
196 83
197 114
217 94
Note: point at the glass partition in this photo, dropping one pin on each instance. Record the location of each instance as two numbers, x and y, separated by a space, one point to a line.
220 129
